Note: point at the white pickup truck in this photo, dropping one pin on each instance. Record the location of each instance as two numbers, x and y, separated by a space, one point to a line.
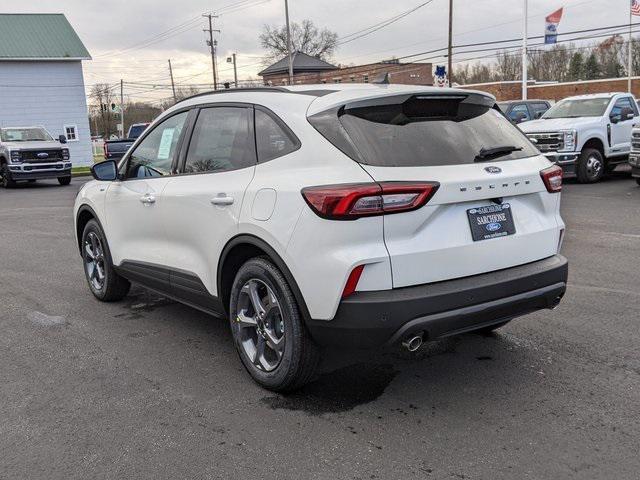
587 135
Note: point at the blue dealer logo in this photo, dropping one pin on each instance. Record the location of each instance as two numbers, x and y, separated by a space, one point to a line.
493 170
493 227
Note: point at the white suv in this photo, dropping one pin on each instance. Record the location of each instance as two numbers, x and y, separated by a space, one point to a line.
360 216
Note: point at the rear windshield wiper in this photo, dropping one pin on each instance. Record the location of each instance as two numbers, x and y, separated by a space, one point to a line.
493 152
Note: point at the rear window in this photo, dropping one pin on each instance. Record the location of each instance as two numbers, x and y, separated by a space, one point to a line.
422 131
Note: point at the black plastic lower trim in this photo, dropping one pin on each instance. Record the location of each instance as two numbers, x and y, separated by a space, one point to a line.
36 175
185 287
370 319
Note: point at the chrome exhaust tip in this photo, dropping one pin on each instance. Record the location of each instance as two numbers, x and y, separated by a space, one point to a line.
413 343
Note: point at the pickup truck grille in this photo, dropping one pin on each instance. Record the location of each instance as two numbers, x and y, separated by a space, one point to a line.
547 142
635 142
32 156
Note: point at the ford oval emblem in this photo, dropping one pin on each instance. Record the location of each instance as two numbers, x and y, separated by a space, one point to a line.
493 170
493 227
43 155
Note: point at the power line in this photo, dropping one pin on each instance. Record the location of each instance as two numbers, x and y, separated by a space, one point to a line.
378 26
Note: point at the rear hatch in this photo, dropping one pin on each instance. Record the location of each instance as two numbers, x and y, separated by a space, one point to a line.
492 209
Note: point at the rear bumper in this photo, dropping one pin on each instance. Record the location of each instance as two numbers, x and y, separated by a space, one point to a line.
371 319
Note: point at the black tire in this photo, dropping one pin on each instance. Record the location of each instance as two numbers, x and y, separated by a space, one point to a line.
299 356
591 166
64 180
113 287
492 328
7 181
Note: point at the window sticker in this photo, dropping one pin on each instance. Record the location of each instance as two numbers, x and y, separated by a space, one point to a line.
165 143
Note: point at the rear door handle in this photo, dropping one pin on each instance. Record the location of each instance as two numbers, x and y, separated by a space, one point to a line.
148 199
222 200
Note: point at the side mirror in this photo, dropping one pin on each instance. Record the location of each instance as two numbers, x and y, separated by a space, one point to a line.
615 118
520 117
106 171
538 115
627 113
62 139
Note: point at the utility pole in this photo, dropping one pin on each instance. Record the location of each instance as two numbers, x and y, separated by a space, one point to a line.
212 44
450 67
122 105
525 58
232 59
173 85
286 13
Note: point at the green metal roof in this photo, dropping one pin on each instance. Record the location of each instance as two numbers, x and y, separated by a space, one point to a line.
39 37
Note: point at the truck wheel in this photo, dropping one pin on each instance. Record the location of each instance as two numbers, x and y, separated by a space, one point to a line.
7 181
104 282
590 166
64 180
268 330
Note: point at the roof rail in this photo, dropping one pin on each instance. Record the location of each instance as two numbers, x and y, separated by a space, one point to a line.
231 90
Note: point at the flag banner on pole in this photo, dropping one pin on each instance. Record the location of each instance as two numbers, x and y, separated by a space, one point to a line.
635 7
551 29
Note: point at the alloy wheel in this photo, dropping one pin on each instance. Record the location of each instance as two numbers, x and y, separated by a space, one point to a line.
94 261
259 325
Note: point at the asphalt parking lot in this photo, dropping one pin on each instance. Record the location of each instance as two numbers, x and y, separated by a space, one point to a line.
148 388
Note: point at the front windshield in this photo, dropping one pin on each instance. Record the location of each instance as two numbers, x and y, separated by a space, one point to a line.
32 134
587 107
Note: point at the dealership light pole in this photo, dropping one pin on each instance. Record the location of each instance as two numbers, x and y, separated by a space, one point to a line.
450 66
286 13
524 51
630 65
122 105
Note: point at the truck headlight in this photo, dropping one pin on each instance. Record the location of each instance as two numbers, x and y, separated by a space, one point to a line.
65 154
570 141
16 157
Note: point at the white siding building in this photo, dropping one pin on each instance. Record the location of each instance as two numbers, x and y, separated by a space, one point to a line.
41 80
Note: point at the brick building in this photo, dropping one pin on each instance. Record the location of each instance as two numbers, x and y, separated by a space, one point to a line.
310 70
556 91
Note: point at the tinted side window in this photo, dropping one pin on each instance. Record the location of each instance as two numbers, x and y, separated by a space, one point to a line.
519 112
272 139
539 107
221 141
154 156
621 104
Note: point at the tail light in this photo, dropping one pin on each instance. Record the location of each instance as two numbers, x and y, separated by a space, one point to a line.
552 178
352 281
352 201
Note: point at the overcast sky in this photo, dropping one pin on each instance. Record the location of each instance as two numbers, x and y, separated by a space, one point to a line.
109 27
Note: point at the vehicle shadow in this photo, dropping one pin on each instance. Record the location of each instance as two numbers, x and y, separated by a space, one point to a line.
348 379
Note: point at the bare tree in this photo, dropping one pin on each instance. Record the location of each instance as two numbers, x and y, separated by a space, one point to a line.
508 66
103 97
305 37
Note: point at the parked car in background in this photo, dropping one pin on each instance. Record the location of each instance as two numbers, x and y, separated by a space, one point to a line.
587 135
518 111
115 149
30 154
634 156
314 215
